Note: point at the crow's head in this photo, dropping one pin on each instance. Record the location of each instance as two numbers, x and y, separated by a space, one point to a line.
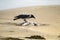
32 16
16 17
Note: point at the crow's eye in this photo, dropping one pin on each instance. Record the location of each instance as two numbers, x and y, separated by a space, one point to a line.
17 17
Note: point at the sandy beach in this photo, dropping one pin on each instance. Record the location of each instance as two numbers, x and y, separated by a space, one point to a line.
48 15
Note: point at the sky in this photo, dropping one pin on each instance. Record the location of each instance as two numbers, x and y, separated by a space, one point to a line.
9 4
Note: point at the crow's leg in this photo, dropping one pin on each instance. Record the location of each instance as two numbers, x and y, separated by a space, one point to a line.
25 21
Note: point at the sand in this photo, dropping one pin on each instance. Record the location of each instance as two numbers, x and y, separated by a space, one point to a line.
48 15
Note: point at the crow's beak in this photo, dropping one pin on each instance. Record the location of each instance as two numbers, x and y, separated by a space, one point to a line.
34 17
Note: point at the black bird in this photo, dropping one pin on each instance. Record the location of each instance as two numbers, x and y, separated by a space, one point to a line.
24 16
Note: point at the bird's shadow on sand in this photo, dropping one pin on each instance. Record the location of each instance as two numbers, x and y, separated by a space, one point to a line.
15 24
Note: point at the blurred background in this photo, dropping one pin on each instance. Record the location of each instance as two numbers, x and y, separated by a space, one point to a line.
45 11
8 4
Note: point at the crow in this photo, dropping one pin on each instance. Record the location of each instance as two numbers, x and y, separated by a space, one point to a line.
24 16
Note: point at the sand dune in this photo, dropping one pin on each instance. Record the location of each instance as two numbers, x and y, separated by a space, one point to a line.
44 15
